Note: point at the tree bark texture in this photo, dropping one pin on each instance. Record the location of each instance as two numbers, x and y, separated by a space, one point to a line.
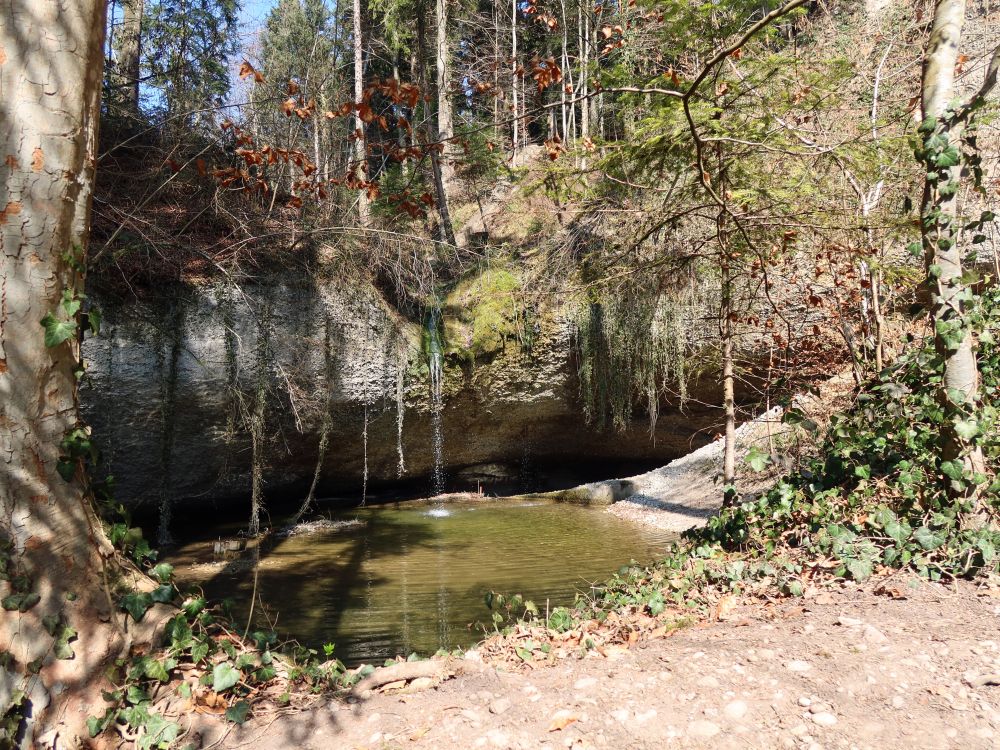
129 50
360 149
942 251
445 116
51 65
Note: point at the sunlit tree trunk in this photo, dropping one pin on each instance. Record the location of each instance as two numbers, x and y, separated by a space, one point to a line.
513 76
445 123
940 228
360 149
129 49
52 548
445 126
447 231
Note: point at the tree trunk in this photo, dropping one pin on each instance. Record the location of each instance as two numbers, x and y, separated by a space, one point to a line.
51 543
360 149
940 230
129 49
447 232
513 76
445 124
728 386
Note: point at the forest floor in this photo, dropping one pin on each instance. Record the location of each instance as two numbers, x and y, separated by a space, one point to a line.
893 663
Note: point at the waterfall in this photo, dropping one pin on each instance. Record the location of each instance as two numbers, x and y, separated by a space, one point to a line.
435 367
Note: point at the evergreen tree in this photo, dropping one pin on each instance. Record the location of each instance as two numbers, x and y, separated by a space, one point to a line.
187 46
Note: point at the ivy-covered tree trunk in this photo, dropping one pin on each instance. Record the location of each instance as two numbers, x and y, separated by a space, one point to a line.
952 296
56 627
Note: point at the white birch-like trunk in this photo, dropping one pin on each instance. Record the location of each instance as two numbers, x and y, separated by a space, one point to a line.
360 149
513 76
942 251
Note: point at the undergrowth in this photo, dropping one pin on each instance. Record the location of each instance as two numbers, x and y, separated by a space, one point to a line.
873 499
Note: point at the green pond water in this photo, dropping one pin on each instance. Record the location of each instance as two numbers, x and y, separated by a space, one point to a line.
412 576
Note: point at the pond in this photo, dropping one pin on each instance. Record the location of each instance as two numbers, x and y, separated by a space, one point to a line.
412 576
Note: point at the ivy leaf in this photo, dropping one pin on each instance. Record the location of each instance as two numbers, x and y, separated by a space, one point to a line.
656 604
966 429
96 724
162 572
898 530
757 459
224 676
57 331
951 469
160 732
987 549
163 594
136 604
860 569
237 712
156 670
199 652
61 649
94 320
265 674
21 602
927 538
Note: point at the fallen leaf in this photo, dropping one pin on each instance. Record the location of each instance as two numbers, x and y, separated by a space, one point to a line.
561 720
725 606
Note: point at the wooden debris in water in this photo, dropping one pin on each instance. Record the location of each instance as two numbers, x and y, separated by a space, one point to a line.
319 525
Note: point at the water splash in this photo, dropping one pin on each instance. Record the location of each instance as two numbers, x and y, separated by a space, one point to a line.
438 512
435 366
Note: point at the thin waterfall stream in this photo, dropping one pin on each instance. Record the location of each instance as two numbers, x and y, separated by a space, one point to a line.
435 366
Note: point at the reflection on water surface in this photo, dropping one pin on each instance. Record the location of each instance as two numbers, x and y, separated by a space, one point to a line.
412 577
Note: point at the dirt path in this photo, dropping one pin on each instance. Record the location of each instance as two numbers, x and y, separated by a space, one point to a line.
846 669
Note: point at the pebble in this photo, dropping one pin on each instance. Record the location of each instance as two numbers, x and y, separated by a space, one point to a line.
735 710
797 665
824 719
849 622
703 729
645 716
898 701
805 702
584 683
500 706
874 635
498 738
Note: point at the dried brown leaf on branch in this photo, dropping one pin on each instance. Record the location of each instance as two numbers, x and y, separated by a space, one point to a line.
247 70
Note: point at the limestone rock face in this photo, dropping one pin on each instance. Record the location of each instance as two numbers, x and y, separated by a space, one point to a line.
173 387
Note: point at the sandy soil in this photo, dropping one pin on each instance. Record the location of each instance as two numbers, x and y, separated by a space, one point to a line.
917 666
